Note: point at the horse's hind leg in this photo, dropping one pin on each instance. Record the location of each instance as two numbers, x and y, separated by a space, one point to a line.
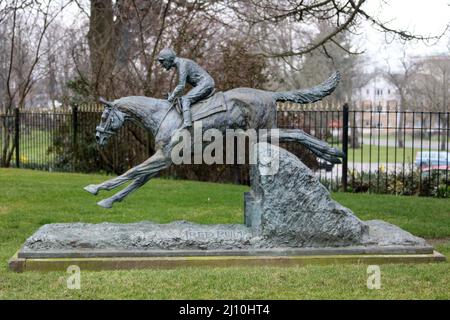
152 165
318 147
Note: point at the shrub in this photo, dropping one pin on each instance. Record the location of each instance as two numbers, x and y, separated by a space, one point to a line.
410 182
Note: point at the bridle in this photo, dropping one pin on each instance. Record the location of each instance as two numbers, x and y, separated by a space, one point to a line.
106 129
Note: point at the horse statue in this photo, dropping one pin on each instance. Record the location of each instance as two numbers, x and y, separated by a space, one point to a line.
241 108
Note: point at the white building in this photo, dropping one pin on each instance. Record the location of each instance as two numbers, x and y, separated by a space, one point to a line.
377 94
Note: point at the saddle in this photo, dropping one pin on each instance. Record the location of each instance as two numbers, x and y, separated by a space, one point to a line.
204 108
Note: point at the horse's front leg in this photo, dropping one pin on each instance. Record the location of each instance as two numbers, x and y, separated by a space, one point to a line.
154 164
141 174
119 196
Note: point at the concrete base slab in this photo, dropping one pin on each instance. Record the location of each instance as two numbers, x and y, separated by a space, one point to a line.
117 253
126 263
146 244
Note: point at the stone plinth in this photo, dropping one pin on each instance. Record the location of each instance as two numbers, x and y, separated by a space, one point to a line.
289 215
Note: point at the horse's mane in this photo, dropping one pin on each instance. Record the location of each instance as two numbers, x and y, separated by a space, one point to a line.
139 104
142 109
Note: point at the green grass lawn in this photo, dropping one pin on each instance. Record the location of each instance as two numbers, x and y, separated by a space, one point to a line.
408 138
29 199
382 154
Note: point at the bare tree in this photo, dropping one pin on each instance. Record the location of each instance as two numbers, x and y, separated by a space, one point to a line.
433 87
402 80
125 36
341 15
26 23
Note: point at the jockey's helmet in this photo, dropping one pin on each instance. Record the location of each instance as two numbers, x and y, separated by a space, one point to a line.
166 57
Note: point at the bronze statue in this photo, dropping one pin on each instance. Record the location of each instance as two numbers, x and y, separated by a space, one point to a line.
241 108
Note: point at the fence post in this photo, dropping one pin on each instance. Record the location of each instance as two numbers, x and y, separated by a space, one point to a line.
74 131
345 120
17 135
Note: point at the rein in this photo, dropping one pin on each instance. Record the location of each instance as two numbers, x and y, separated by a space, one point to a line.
165 115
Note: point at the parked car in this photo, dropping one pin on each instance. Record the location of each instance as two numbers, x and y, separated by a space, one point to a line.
328 167
433 160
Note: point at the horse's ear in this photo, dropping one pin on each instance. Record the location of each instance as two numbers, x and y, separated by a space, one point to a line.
105 102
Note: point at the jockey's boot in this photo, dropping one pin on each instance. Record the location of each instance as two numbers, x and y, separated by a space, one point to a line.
187 122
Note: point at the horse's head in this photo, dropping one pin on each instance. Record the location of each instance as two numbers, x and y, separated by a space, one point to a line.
111 121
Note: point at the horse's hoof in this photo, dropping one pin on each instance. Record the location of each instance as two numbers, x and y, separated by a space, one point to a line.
106 203
92 189
338 153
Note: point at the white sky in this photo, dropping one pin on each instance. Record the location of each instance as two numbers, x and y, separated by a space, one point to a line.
425 17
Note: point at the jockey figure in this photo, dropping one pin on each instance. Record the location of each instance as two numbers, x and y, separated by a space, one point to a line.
188 72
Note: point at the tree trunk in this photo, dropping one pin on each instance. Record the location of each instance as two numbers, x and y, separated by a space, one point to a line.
8 146
446 137
101 41
5 143
354 132
52 79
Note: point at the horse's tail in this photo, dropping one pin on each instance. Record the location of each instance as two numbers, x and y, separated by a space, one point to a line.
310 95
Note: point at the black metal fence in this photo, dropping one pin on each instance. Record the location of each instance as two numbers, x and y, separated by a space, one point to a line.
396 152
388 151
